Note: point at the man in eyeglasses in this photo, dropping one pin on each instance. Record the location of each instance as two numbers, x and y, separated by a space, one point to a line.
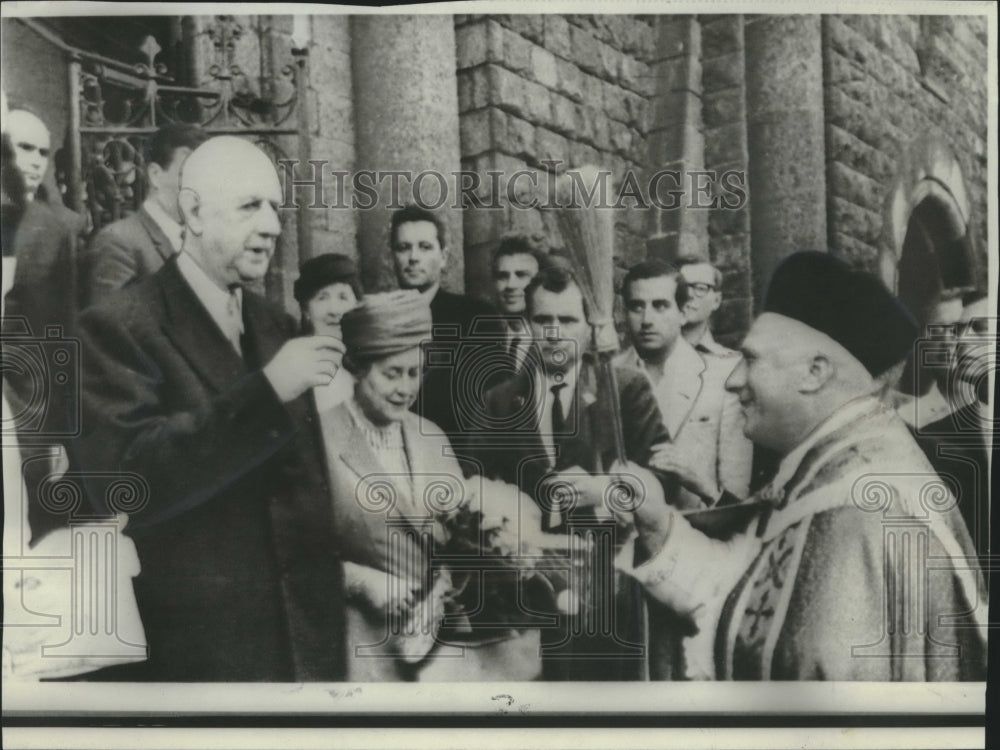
929 380
704 283
959 444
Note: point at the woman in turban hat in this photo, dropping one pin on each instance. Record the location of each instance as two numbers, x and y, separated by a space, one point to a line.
328 287
391 478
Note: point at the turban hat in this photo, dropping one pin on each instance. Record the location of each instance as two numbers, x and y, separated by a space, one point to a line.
323 270
851 307
386 324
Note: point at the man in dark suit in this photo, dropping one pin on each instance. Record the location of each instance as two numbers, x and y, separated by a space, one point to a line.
39 314
960 445
552 426
419 245
49 270
467 332
197 386
515 263
140 243
32 144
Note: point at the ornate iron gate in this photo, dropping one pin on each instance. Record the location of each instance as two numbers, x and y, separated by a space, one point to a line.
115 105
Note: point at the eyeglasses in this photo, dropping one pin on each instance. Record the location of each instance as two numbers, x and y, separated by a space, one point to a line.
700 289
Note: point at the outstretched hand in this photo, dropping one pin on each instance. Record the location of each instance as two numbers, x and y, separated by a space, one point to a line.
667 458
304 363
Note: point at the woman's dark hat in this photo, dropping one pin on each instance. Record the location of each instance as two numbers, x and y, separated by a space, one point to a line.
323 270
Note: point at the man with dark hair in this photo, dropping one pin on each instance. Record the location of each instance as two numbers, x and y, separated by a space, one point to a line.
552 426
140 243
703 420
419 243
468 327
515 263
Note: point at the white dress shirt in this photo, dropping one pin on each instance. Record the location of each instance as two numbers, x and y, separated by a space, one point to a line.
224 307
173 230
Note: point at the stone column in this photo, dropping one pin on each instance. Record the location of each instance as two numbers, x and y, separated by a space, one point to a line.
785 139
405 118
676 139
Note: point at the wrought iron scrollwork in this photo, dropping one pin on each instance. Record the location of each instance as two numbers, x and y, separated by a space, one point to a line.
120 104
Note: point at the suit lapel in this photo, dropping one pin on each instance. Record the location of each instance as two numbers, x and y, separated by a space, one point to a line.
684 384
512 398
359 457
262 335
357 454
160 240
192 330
586 445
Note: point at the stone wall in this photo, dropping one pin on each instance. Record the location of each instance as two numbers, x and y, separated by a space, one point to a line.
899 94
329 97
536 88
895 85
725 135
331 119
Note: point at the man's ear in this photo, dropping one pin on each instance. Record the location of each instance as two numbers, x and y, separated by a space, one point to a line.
718 300
820 369
154 173
189 203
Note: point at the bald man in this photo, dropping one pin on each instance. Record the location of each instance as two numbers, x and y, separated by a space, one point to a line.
46 289
32 151
40 270
32 147
197 385
817 577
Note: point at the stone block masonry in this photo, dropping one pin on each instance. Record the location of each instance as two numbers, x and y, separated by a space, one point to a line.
534 89
893 84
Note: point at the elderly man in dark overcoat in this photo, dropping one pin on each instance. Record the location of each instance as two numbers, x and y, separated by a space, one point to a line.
198 386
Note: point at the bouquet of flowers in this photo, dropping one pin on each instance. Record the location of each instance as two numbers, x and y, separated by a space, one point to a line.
505 573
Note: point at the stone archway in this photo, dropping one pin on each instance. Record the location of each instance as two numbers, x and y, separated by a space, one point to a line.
934 257
927 257
927 247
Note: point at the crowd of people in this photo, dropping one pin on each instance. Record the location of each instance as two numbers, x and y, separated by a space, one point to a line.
288 533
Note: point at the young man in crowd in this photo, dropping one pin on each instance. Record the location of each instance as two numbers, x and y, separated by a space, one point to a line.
142 242
703 420
515 263
466 330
